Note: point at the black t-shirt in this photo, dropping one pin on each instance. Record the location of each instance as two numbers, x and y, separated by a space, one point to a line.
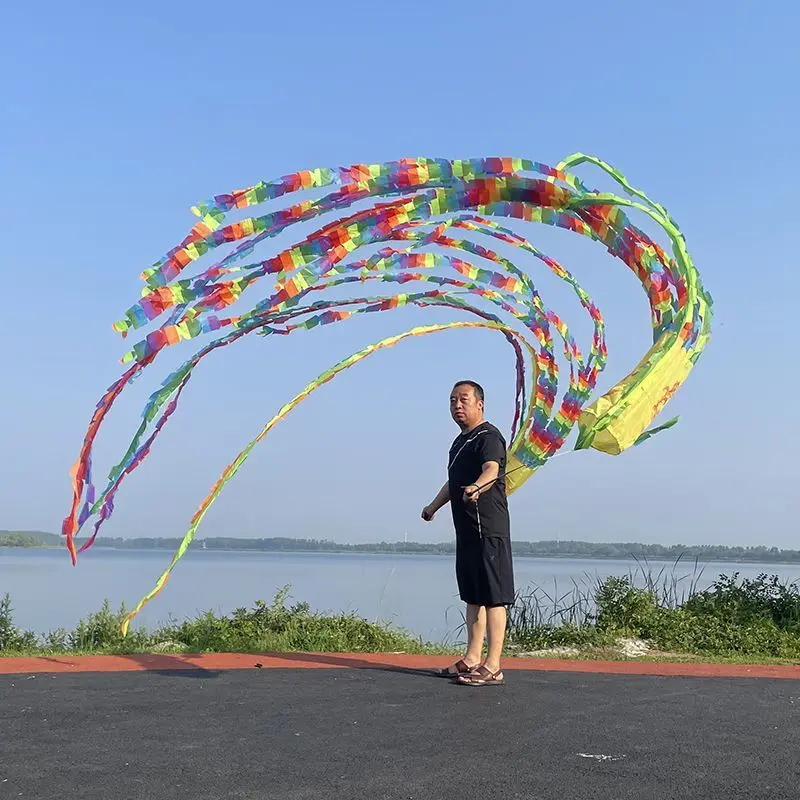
467 455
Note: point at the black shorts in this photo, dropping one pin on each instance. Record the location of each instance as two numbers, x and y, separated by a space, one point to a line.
485 571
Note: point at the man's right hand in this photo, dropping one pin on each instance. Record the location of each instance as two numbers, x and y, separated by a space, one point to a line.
428 513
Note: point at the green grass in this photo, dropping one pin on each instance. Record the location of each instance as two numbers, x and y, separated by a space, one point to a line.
264 628
755 620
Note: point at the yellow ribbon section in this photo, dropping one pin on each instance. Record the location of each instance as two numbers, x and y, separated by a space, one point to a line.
616 420
516 472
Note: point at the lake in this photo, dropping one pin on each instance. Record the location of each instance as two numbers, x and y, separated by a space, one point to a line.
417 592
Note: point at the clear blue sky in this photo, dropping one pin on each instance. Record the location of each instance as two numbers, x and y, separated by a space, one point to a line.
117 118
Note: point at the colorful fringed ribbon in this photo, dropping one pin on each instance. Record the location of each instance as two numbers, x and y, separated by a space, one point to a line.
419 216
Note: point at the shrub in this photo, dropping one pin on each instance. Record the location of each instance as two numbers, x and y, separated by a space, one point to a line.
11 638
102 631
757 617
755 599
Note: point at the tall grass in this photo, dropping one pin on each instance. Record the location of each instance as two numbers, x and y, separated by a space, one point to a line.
753 616
568 616
276 627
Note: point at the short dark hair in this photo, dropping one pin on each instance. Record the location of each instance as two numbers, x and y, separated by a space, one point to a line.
478 389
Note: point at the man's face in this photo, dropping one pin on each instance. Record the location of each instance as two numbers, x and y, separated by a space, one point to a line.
465 407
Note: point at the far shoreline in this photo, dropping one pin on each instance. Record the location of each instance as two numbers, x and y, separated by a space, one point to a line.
688 560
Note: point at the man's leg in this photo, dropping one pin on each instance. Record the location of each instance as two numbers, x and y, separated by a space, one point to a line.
476 631
498 593
496 622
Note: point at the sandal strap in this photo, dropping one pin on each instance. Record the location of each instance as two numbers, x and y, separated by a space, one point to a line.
481 675
461 668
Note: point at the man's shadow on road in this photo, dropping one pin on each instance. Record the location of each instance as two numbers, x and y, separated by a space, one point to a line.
355 662
177 665
186 665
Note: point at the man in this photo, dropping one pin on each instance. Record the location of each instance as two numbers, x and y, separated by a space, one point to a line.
476 491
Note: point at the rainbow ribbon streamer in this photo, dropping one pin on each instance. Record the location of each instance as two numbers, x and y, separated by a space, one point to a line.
421 223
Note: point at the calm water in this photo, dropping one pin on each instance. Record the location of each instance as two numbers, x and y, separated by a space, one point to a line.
417 592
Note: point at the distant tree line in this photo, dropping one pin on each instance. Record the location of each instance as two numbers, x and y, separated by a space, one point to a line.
706 552
18 540
551 548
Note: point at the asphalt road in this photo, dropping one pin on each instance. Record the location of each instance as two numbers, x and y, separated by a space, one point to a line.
395 734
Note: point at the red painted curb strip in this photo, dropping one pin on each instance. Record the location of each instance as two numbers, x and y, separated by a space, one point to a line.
232 661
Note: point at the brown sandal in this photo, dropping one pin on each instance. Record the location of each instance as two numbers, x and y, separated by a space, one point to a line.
480 676
455 670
